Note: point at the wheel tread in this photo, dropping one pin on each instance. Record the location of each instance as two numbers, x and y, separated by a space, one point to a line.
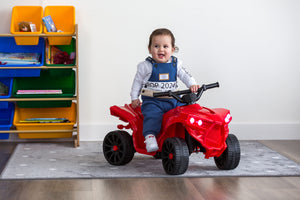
230 158
179 163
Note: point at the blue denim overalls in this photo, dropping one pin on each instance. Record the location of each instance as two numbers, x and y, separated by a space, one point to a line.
163 78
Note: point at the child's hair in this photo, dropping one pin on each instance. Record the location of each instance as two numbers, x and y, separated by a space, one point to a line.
162 31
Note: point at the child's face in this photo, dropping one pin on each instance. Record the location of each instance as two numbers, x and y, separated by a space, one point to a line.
161 48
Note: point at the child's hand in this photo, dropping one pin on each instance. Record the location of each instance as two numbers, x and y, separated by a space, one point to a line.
194 88
135 103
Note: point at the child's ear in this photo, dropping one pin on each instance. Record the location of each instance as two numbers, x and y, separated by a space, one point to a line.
173 49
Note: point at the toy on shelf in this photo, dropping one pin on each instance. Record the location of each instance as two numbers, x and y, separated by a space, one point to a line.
185 130
27 27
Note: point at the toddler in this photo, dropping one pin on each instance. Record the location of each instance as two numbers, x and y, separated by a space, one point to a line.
158 73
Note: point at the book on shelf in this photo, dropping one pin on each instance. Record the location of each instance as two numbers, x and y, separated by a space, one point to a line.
32 27
20 62
49 24
47 51
45 120
25 57
39 92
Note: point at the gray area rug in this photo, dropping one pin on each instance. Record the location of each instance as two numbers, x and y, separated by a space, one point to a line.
61 160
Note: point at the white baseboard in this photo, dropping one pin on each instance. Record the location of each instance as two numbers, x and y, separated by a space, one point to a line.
264 131
244 131
95 132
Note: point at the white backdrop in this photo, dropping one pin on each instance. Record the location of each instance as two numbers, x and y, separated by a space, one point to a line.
251 47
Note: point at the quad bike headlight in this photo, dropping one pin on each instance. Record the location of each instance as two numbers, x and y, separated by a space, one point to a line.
199 122
194 121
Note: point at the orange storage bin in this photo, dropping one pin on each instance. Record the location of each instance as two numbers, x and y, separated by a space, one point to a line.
62 112
64 20
31 14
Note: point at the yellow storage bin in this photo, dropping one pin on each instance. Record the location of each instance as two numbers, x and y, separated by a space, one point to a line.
31 14
64 20
62 112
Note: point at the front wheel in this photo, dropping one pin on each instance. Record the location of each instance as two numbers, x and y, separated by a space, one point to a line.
230 158
175 156
118 147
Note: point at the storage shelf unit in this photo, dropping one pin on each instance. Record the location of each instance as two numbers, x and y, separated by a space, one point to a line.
40 67
75 98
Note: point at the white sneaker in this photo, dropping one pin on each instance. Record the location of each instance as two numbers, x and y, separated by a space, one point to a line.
151 143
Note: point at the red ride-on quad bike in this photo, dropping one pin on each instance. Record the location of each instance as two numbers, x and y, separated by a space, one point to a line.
185 130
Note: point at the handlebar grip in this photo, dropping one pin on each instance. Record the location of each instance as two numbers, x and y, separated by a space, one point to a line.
160 94
210 86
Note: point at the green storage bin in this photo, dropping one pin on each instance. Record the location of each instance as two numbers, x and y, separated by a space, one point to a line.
47 81
65 48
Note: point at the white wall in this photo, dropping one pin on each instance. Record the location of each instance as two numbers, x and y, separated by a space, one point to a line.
251 47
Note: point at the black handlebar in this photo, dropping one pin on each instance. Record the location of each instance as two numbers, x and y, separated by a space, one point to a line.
191 98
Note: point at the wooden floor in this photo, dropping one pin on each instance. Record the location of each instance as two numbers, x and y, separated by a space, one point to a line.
158 188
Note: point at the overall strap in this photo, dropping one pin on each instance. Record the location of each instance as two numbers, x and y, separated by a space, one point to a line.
174 61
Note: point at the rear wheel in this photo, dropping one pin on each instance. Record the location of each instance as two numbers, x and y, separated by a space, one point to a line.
118 147
230 158
175 156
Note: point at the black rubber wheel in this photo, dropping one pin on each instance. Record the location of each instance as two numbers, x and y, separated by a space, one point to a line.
157 155
230 158
118 147
175 156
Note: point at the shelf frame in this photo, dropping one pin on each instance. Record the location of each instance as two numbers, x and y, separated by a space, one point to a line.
74 98
42 67
39 131
41 99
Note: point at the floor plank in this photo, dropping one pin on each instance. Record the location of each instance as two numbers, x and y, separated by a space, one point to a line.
161 188
6 149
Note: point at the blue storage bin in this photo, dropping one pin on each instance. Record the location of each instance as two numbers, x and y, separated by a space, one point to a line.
6 119
8 82
8 45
